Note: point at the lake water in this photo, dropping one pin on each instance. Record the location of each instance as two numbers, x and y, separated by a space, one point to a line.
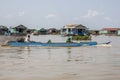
61 63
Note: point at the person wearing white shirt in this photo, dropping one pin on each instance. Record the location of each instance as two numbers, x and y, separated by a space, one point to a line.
27 39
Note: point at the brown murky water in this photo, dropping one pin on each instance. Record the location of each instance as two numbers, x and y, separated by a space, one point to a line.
61 63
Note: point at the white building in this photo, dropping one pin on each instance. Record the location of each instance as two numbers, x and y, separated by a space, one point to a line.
74 29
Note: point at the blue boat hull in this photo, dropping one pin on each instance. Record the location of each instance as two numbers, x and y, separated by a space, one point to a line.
35 44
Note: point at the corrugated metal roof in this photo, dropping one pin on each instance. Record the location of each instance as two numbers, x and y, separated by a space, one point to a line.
78 26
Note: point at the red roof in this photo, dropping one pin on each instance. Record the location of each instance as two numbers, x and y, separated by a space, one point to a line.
111 29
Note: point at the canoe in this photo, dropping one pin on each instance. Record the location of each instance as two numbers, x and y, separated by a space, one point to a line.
35 44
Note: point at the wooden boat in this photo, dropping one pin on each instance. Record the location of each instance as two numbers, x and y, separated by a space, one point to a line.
35 44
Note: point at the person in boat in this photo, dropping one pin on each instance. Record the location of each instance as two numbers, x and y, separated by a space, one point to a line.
69 40
27 39
20 39
49 41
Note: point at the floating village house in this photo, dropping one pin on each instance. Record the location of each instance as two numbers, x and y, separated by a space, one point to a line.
53 31
74 29
43 31
3 30
20 30
110 31
94 32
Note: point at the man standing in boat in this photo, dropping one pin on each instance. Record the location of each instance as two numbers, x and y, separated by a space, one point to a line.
27 39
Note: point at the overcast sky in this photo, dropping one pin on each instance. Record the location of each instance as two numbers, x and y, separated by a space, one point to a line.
95 14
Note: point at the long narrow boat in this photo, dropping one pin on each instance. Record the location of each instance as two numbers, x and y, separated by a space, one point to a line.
35 44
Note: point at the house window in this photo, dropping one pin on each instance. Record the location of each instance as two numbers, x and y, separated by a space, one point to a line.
69 30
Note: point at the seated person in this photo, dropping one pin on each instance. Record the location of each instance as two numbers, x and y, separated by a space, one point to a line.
68 40
49 41
20 40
